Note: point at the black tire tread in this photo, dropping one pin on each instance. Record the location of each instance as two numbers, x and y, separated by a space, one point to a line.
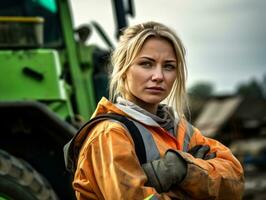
22 173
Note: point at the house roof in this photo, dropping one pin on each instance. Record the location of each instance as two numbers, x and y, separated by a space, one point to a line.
215 113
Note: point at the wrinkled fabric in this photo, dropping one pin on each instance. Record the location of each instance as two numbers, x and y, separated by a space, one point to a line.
165 116
165 172
108 167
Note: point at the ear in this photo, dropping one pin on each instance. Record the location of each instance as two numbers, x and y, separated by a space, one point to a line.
124 76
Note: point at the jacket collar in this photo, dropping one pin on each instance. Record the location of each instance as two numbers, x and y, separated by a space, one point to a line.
138 115
105 106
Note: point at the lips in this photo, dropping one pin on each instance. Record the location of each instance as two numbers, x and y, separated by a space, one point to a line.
155 89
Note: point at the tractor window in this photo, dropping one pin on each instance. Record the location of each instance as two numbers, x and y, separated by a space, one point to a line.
37 8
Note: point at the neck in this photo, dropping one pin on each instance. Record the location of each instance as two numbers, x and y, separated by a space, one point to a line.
151 109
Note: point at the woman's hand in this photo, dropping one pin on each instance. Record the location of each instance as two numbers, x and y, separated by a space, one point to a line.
202 151
166 171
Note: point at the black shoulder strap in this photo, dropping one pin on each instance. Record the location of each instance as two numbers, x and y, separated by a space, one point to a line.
71 149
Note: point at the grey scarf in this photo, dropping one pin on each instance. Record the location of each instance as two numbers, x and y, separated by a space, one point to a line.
165 115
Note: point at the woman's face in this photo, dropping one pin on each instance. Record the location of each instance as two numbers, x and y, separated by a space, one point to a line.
152 73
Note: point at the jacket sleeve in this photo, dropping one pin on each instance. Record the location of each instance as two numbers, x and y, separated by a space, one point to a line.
108 167
218 178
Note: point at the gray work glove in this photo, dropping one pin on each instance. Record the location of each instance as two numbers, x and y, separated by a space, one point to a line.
166 171
202 151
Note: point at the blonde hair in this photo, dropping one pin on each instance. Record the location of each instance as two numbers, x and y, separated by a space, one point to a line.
129 46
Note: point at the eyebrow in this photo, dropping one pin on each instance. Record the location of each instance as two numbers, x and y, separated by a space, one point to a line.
151 59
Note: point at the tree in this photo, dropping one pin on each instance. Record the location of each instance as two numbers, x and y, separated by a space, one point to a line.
201 90
198 94
250 89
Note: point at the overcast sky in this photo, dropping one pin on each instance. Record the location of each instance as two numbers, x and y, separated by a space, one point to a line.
225 39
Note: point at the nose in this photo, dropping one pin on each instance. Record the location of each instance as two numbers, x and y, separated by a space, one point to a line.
157 74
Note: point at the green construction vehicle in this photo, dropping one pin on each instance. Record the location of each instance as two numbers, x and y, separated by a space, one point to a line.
50 82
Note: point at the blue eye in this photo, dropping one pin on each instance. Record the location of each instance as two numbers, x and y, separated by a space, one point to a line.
146 64
169 67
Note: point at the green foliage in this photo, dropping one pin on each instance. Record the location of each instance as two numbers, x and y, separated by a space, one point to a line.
198 94
201 90
250 89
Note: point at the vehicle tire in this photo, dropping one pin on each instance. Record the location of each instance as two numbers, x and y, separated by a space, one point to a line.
19 181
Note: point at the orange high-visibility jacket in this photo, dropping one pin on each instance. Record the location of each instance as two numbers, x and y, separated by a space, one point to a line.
108 167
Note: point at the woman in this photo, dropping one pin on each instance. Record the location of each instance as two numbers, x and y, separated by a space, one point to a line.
149 67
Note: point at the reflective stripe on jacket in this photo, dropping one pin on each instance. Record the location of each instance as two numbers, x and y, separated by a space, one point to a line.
108 167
